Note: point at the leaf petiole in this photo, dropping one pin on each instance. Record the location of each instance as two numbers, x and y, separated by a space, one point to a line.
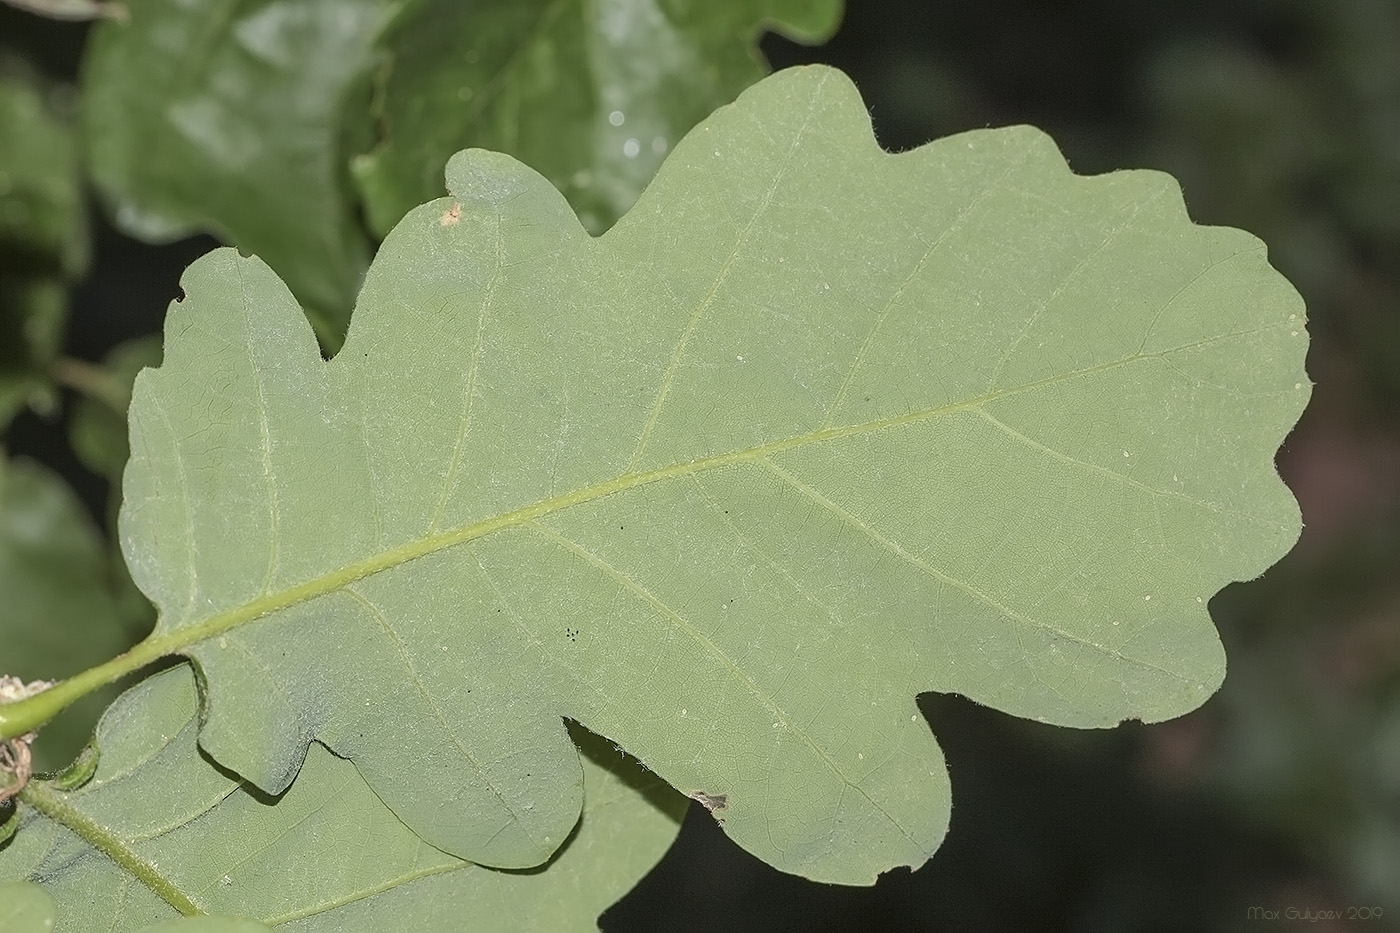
22 716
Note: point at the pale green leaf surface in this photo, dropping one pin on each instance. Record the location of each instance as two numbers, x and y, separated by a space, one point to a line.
235 117
226 117
159 824
206 925
58 613
812 429
591 95
25 908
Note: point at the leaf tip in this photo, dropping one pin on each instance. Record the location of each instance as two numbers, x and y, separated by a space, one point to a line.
499 184
486 177
717 804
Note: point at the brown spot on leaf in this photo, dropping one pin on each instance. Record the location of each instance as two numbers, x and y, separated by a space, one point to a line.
715 803
451 215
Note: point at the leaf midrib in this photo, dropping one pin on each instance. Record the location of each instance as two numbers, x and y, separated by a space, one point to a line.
190 634
56 806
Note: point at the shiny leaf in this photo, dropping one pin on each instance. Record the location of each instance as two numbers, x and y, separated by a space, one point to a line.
227 118
237 117
592 96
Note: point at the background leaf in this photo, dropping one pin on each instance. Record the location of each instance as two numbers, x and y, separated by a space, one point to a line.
227 118
59 615
43 237
158 818
592 96
238 118
813 429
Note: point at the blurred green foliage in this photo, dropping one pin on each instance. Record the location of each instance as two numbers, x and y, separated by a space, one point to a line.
43 242
243 120
60 615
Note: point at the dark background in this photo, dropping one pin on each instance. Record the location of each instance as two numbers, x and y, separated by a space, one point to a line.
1282 792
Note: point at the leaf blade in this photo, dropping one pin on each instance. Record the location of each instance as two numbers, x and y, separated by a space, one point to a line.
932 429
326 855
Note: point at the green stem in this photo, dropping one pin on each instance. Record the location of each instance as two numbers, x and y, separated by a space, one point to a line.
53 805
32 712
93 381
29 714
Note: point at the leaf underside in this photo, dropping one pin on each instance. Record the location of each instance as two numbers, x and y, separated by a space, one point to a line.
813 429
326 855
